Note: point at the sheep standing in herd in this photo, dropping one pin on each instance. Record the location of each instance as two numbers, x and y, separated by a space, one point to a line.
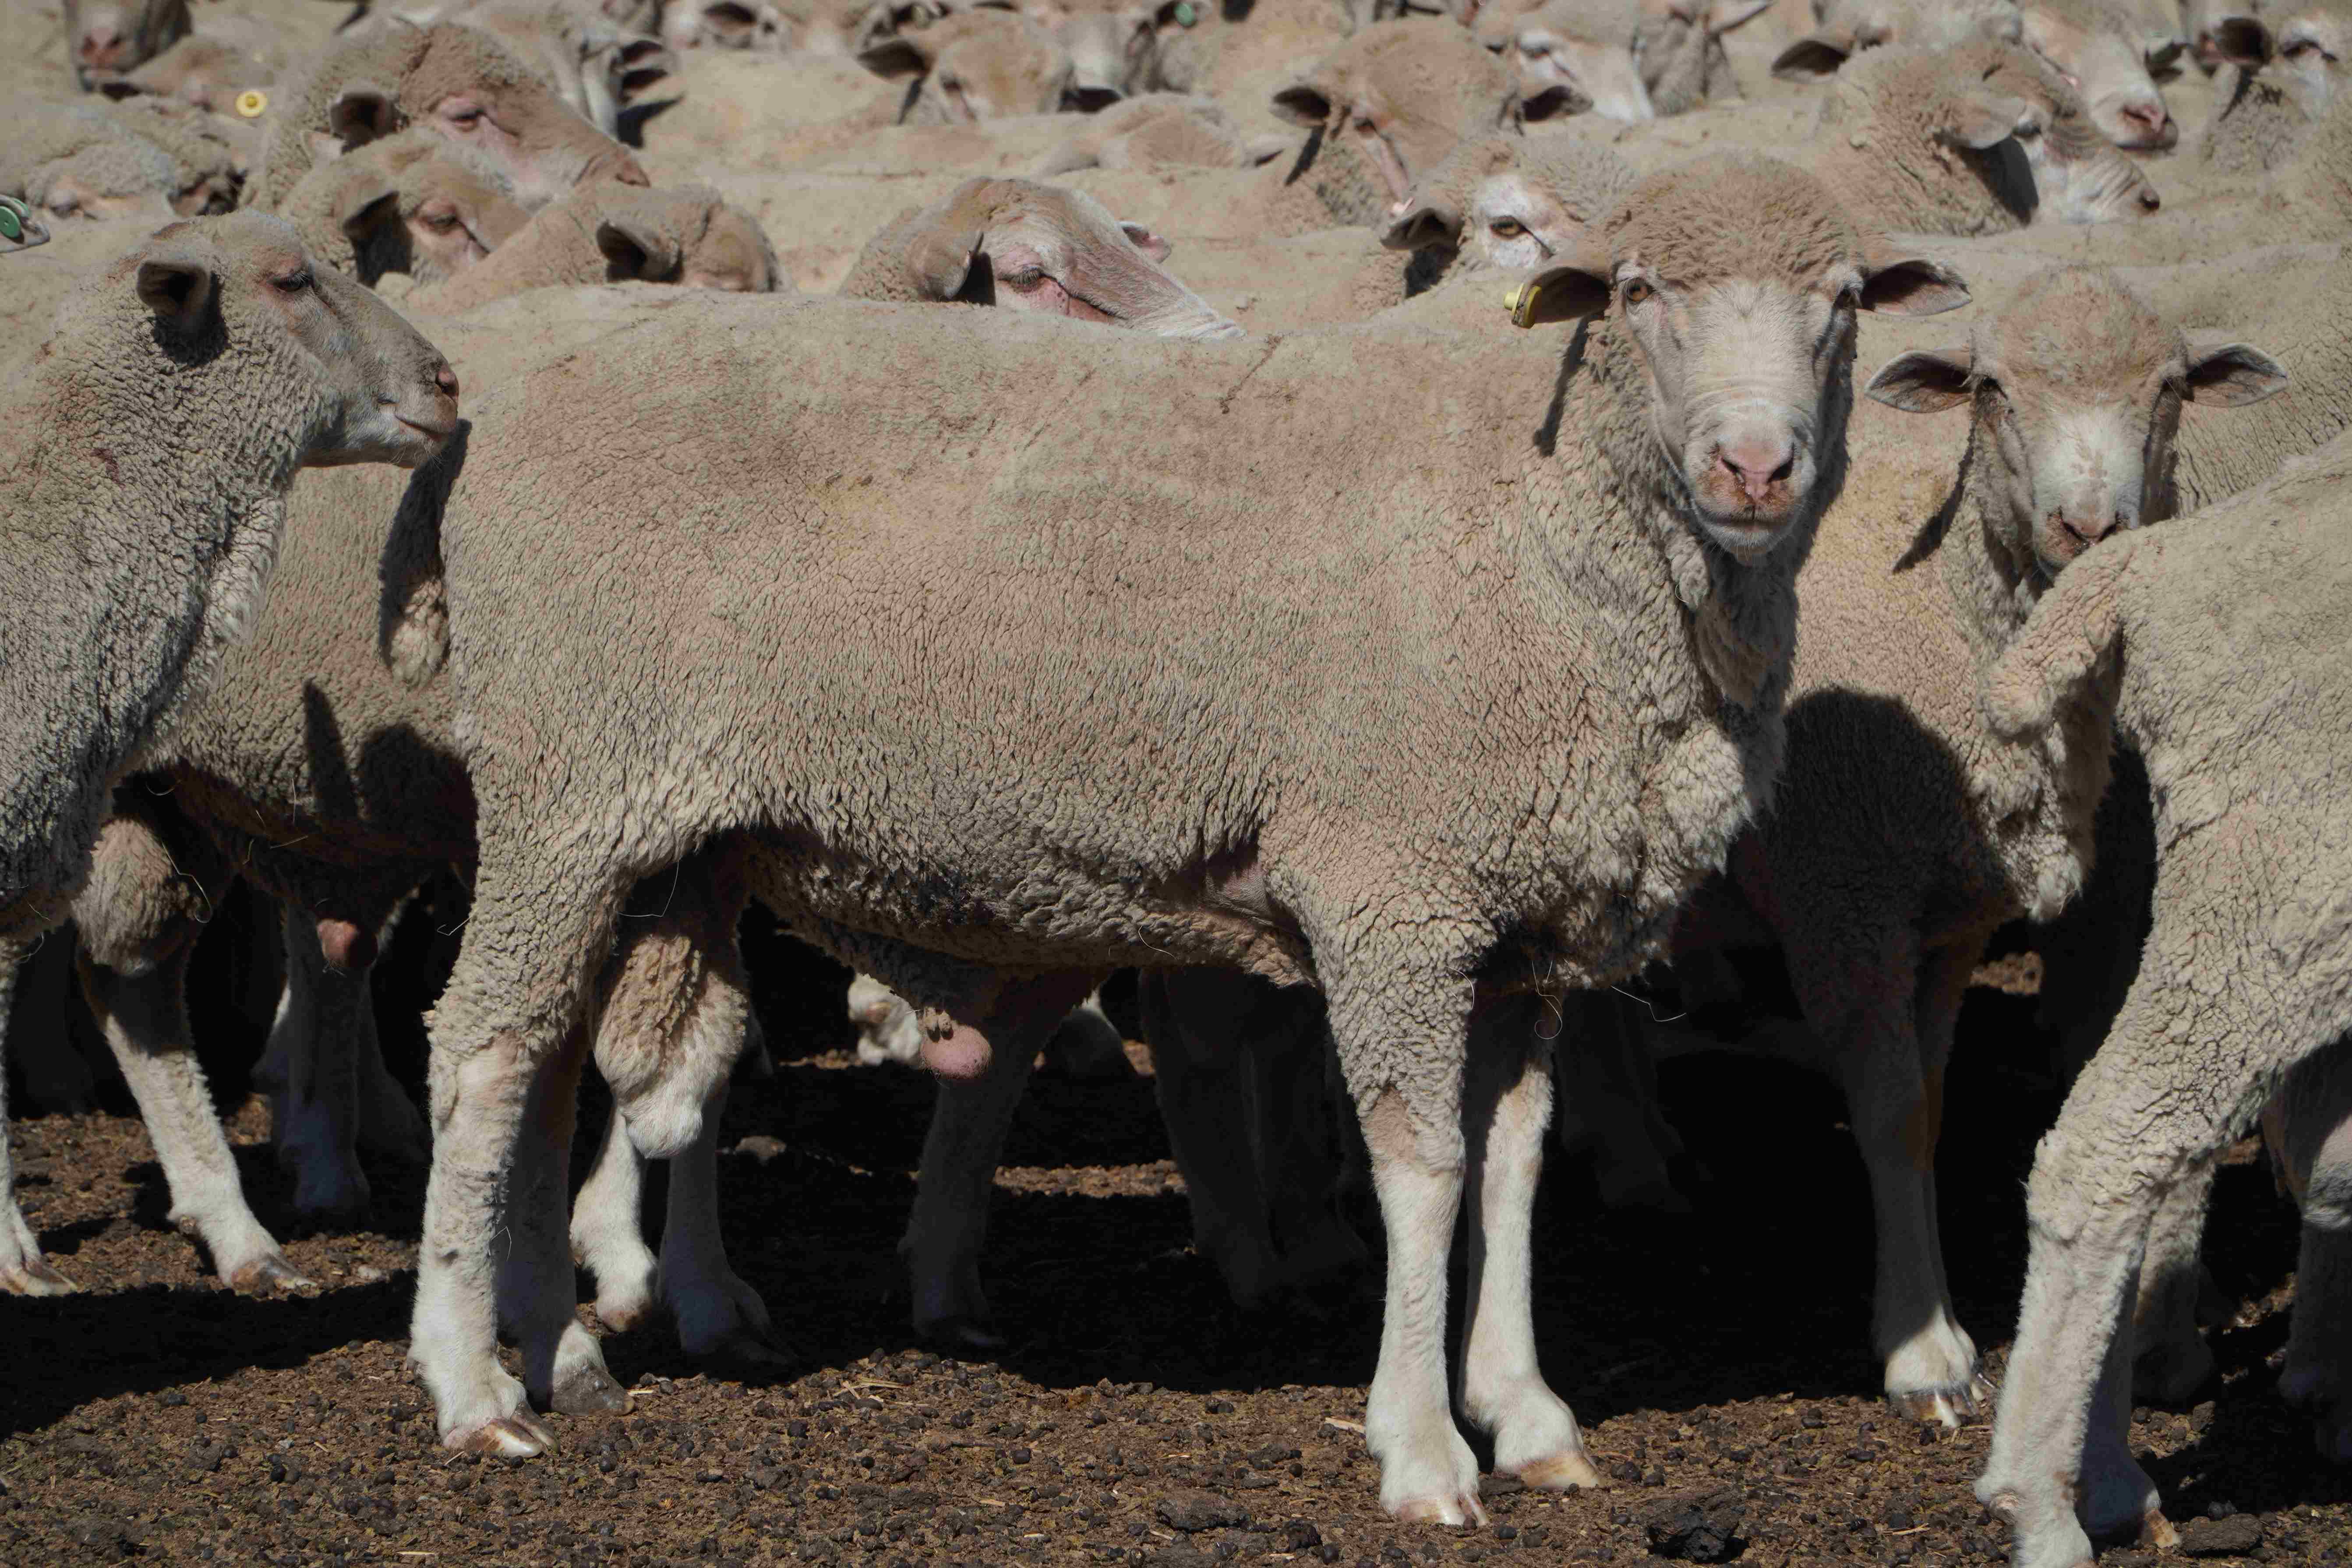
1384 684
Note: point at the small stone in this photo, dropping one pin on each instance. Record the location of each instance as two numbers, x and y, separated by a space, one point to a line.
759 1147
2234 1536
1695 1527
1193 1512
1298 1535
172 1398
1021 1456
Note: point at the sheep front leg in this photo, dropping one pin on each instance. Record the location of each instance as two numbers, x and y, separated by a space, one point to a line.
23 1271
516 992
139 917
1193 1019
1507 1105
2317 1128
1428 1474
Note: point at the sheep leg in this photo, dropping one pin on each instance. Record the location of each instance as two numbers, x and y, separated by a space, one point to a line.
57 1077
607 1231
564 1367
1507 1105
139 917
314 1101
2170 1358
1428 1474
1872 1031
950 1223
1297 1142
23 1271
1086 1046
1607 1089
1192 1021
519 985
717 1315
2318 1148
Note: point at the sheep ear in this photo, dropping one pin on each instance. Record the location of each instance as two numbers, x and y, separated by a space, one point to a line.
1568 292
1434 223
896 59
636 248
1911 286
1305 103
177 288
362 114
1982 119
1728 15
1553 101
2233 374
359 203
1144 241
643 63
1925 380
2242 41
1814 58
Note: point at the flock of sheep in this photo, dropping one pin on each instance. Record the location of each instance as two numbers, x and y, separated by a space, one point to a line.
1437 568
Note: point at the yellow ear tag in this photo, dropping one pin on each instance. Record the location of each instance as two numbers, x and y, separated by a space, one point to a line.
251 102
1522 303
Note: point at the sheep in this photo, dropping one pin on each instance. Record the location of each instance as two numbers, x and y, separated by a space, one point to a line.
2097 45
1113 45
1628 59
457 80
1195 848
2279 77
107 37
412 203
2075 390
1847 27
760 26
2216 643
1032 247
19 229
193 379
974 65
1508 201
1400 95
204 72
613 233
1154 130
1972 140
104 161
596 68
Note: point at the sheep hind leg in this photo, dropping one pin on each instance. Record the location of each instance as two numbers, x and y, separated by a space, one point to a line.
718 1316
1191 1019
519 987
2317 1103
564 1368
314 1055
948 1223
607 1235
1506 1106
2170 1360
22 1271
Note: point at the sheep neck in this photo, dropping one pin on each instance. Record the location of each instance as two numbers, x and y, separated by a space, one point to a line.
141 528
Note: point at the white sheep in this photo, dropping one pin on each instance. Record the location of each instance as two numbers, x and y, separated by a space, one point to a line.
145 513
2216 642
1506 748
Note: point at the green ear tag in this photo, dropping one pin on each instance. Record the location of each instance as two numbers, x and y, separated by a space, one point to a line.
1186 14
11 226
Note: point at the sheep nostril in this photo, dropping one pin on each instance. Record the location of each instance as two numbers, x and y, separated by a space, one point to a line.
446 380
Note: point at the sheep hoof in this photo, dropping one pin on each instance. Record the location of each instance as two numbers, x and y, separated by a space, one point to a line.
34 1276
517 1437
1560 1472
589 1391
960 1335
1458 1511
2155 1531
270 1271
1949 1406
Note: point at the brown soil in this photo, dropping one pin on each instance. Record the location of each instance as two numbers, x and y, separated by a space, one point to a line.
159 1418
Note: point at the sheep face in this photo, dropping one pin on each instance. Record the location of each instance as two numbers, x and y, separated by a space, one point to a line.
2077 392
108 180
107 37
726 25
1113 49
2312 43
2079 176
1406 93
980 65
1739 279
1561 72
2110 71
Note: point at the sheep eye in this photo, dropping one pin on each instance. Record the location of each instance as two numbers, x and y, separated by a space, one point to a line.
951 84
1507 228
293 282
1026 281
1634 292
1366 128
440 223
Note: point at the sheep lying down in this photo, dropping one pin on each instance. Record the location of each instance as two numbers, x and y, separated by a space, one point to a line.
1235 770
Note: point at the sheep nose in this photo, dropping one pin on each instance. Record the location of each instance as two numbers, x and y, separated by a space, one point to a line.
1755 466
2148 200
2148 120
98 44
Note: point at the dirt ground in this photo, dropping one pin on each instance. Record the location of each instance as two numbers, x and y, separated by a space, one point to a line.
158 1417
